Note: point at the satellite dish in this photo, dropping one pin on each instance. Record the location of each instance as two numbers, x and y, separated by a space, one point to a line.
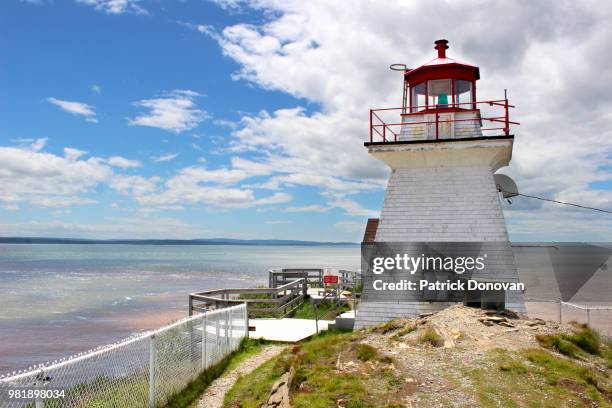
398 67
505 185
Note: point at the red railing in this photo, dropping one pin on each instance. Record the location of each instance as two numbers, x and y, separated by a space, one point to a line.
389 132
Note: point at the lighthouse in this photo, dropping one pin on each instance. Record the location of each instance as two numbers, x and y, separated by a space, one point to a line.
443 147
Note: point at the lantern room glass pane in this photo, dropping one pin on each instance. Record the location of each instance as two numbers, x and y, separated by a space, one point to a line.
463 93
418 97
440 93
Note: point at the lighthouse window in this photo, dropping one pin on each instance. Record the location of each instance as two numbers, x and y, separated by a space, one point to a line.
463 92
440 93
418 97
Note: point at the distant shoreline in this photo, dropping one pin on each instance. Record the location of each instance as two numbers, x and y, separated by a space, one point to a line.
210 241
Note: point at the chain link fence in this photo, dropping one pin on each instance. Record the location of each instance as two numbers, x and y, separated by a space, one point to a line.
142 371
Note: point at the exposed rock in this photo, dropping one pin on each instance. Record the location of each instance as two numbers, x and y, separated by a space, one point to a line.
535 322
491 320
279 395
472 329
502 313
447 336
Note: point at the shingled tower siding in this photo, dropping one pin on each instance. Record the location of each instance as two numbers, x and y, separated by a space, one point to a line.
443 204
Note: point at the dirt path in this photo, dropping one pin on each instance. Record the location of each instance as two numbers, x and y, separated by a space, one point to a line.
214 394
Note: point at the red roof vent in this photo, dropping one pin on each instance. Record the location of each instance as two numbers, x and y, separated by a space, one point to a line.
441 46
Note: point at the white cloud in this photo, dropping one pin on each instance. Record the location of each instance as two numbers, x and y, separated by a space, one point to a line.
277 198
73 154
198 185
349 206
315 208
174 111
134 185
76 108
228 4
165 157
10 207
38 144
61 201
97 89
115 6
201 28
279 222
29 174
61 212
122 162
226 123
549 66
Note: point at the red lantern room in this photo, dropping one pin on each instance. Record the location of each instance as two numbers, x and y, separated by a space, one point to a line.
439 102
442 83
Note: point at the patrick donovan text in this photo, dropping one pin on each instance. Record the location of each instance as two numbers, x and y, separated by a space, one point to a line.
469 284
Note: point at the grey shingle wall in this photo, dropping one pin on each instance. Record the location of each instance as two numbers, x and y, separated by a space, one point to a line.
442 204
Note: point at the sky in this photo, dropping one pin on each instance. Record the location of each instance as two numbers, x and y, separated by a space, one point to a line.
198 119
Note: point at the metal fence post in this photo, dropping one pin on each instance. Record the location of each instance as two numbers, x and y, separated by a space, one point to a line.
317 315
204 338
226 329
217 330
231 328
246 321
560 311
355 294
152 371
589 316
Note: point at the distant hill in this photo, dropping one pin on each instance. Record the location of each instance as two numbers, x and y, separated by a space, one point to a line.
208 241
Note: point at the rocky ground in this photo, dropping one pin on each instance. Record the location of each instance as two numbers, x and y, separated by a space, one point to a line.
435 352
459 357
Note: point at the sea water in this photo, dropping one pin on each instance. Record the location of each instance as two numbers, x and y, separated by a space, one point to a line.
57 300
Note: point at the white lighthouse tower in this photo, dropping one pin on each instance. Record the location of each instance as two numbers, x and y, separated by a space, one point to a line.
443 147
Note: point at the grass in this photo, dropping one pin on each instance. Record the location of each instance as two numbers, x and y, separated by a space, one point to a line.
317 383
587 339
391 325
406 330
535 378
607 354
432 337
502 378
325 310
365 352
582 340
558 343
